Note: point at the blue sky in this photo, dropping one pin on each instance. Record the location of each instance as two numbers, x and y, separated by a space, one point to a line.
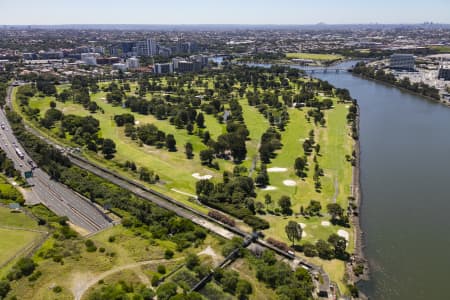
222 11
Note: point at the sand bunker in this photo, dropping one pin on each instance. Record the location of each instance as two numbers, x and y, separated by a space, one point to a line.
302 225
200 177
325 223
136 122
269 188
276 170
304 234
289 182
343 234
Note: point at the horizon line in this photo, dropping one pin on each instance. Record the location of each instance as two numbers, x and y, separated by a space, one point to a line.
232 24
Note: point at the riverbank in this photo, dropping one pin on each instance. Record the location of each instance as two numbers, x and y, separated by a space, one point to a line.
358 258
441 100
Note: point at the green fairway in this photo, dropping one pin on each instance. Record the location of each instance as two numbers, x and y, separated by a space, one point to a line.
314 56
176 171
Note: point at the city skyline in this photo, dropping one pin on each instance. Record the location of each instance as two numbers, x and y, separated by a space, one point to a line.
282 12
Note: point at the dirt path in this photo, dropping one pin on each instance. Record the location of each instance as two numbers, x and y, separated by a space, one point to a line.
79 287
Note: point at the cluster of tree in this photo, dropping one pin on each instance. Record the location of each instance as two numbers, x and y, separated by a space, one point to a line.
7 166
231 283
123 119
149 134
317 115
417 87
279 276
115 94
122 290
79 91
335 247
270 142
235 195
338 215
352 118
46 86
313 209
270 107
230 145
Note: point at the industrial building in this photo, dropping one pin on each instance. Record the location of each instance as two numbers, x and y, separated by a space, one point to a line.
402 62
444 73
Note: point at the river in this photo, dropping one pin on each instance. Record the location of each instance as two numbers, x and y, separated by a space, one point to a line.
405 183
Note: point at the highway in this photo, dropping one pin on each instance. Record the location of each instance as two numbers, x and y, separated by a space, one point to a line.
56 196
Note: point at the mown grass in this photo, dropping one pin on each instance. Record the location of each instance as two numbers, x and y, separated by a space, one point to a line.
314 56
12 241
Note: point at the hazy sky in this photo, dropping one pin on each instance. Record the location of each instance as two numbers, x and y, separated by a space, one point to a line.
222 11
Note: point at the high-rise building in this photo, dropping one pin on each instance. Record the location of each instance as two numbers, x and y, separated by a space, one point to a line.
133 63
404 62
89 58
146 48
163 68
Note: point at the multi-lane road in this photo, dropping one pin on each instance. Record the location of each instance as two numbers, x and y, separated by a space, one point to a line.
56 196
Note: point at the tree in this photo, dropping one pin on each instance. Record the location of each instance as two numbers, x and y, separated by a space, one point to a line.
313 208
229 281
285 204
200 120
108 148
243 289
324 249
300 165
206 156
189 150
267 199
340 244
335 210
4 288
262 179
166 291
189 128
171 143
192 260
293 231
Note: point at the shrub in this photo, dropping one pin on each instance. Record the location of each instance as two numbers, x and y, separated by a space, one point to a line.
90 246
112 239
221 217
278 244
155 280
57 289
256 223
168 254
161 269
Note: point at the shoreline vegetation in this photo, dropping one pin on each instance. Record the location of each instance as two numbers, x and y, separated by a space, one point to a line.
380 76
